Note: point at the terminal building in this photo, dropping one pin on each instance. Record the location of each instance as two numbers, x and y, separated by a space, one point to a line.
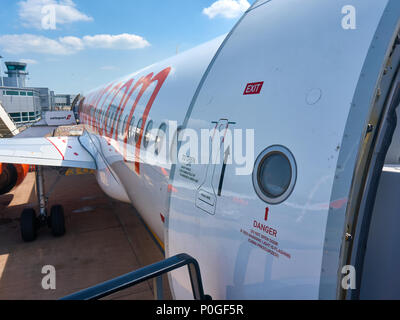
16 72
64 101
24 105
47 99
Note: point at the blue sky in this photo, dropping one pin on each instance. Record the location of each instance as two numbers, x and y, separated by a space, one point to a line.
92 42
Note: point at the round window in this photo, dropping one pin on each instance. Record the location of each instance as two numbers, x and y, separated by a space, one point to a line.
146 138
131 128
123 127
138 129
275 174
160 138
174 146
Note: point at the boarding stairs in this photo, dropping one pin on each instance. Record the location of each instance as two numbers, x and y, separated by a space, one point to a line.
8 128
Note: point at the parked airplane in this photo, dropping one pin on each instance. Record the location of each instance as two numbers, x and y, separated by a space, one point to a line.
301 112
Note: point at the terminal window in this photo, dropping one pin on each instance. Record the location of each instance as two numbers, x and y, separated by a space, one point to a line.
16 117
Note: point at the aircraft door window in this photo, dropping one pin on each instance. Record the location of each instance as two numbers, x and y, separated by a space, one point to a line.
275 174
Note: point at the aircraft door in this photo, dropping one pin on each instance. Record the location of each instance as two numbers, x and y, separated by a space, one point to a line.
210 189
259 221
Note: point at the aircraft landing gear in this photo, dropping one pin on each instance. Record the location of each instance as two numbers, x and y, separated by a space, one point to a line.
30 223
57 221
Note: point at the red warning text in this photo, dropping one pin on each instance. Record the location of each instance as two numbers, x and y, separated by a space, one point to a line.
260 236
253 88
264 228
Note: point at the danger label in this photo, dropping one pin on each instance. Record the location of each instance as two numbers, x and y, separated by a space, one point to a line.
265 229
264 237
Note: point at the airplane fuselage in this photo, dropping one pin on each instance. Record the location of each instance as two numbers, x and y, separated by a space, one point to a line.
274 97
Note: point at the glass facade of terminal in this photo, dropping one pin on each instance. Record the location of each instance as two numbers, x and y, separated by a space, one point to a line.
21 117
20 93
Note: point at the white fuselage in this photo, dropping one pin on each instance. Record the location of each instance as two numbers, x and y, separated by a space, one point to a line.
303 68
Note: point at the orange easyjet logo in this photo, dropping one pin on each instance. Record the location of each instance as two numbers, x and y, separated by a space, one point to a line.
119 94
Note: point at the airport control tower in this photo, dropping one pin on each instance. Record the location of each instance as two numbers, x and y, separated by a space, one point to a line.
16 72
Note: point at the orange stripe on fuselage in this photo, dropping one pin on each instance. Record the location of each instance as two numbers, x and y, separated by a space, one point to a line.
117 90
119 111
160 78
143 83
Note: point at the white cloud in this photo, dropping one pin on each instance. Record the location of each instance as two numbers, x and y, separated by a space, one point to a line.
28 61
122 41
227 8
21 43
18 44
31 12
72 43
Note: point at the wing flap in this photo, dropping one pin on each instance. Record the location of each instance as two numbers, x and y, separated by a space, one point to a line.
55 151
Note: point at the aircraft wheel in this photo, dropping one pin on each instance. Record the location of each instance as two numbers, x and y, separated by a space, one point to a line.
28 225
8 179
57 221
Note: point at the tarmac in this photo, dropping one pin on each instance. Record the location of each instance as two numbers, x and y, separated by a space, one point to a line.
104 239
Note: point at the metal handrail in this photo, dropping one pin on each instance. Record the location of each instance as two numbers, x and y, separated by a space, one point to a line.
152 271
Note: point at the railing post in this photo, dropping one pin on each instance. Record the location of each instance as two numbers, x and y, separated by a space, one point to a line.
158 288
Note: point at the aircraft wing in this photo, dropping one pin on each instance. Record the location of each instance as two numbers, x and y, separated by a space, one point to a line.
55 151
